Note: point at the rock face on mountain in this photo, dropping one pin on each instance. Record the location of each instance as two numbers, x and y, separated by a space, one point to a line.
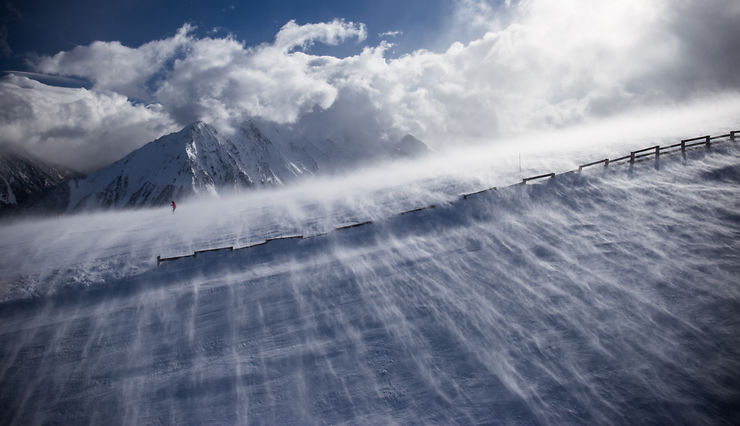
23 176
193 160
410 147
200 160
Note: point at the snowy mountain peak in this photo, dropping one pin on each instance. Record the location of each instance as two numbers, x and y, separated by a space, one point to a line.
409 146
200 160
197 132
200 127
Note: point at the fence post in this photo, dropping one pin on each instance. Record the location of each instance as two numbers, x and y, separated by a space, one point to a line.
158 261
709 143
657 151
632 157
606 162
732 135
683 146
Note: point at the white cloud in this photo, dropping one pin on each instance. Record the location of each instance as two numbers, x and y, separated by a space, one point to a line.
395 33
223 82
215 79
553 64
531 65
112 66
78 128
292 35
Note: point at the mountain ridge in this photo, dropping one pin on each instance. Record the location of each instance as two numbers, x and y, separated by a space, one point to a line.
23 176
199 160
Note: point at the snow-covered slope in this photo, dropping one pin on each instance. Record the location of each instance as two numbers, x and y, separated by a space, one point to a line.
609 297
194 160
22 176
199 160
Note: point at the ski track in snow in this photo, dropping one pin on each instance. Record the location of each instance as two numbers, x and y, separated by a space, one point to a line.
606 298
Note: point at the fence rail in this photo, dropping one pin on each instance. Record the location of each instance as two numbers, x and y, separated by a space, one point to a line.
423 208
583 166
546 175
197 252
626 157
632 157
698 138
289 237
354 225
466 196
728 135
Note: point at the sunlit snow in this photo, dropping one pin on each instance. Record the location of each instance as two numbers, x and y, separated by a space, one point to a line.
609 297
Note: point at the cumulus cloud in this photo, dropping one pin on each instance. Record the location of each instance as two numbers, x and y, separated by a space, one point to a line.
527 65
214 79
115 67
292 35
75 127
223 82
551 64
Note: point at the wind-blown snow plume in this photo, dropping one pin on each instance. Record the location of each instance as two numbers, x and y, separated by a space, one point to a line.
608 297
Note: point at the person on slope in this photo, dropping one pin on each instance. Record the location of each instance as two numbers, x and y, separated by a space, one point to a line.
174 206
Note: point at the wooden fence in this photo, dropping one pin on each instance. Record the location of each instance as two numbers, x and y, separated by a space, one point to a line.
633 156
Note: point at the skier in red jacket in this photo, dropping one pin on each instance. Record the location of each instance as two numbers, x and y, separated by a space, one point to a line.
174 206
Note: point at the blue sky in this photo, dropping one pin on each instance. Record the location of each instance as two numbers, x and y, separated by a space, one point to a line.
46 27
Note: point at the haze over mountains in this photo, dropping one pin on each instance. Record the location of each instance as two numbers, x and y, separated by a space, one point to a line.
22 175
200 160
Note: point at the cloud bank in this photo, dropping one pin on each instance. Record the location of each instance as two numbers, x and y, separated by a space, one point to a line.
78 128
532 65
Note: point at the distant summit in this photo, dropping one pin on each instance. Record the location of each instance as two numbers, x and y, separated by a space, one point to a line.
200 160
411 147
23 176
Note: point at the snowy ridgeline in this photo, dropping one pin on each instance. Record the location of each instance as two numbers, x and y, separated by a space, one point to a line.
198 160
609 297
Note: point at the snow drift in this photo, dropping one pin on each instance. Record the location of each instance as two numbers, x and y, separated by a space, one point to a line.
608 297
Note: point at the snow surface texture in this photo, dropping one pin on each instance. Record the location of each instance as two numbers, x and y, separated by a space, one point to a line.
609 297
